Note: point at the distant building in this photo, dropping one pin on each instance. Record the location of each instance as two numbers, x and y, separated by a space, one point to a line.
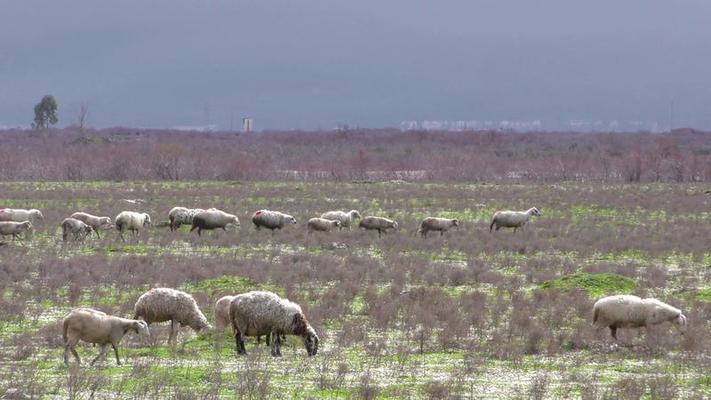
247 125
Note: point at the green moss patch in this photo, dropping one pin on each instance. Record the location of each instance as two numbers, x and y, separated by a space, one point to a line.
595 284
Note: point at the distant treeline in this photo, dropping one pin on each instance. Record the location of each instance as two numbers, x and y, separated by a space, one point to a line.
120 154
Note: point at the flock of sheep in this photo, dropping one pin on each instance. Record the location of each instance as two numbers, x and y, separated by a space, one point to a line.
255 313
264 313
80 224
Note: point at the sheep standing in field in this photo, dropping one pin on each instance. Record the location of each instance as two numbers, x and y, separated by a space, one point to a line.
165 304
378 223
513 219
96 223
271 219
222 316
264 313
182 216
436 224
20 215
15 228
131 221
78 229
96 327
346 218
213 219
625 311
322 225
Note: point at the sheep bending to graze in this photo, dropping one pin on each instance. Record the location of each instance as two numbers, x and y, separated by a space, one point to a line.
212 219
94 222
625 311
436 224
165 304
322 225
346 218
20 215
96 327
14 228
77 228
131 221
182 216
378 223
264 313
513 219
271 219
222 316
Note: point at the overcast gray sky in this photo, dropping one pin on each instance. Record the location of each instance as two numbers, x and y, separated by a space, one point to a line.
316 63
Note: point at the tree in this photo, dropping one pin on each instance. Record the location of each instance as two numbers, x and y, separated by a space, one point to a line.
82 115
45 112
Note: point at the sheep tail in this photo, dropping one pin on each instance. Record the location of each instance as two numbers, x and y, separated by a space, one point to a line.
596 311
493 221
65 327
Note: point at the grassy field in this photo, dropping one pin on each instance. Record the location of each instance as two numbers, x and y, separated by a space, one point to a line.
467 315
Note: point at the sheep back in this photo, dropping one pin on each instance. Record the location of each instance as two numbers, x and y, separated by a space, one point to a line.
166 304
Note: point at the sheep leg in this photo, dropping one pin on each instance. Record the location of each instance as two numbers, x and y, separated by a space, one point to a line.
380 233
171 337
613 332
97 233
239 342
123 239
276 345
441 233
116 353
70 347
101 354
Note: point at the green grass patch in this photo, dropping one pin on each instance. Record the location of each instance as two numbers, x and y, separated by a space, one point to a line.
704 294
595 284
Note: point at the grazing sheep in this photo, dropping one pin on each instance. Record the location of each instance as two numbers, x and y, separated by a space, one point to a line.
378 223
513 219
222 316
14 228
132 221
264 313
212 219
271 219
346 218
96 327
625 311
182 216
96 223
322 225
77 228
20 215
436 224
165 304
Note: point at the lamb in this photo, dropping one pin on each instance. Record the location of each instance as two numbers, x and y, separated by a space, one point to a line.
165 304
132 221
15 228
322 225
436 224
378 223
20 215
271 219
96 223
212 219
264 313
346 218
77 228
96 327
513 219
626 311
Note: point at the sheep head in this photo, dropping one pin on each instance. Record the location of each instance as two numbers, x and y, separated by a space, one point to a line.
146 219
292 220
235 221
311 342
36 214
681 323
141 328
395 225
455 222
536 212
355 214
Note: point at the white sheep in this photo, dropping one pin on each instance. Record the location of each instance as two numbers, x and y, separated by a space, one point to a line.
97 327
165 304
322 225
436 224
271 219
95 222
213 219
182 216
20 215
131 221
78 229
15 228
378 223
263 313
513 219
346 218
626 311
222 316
